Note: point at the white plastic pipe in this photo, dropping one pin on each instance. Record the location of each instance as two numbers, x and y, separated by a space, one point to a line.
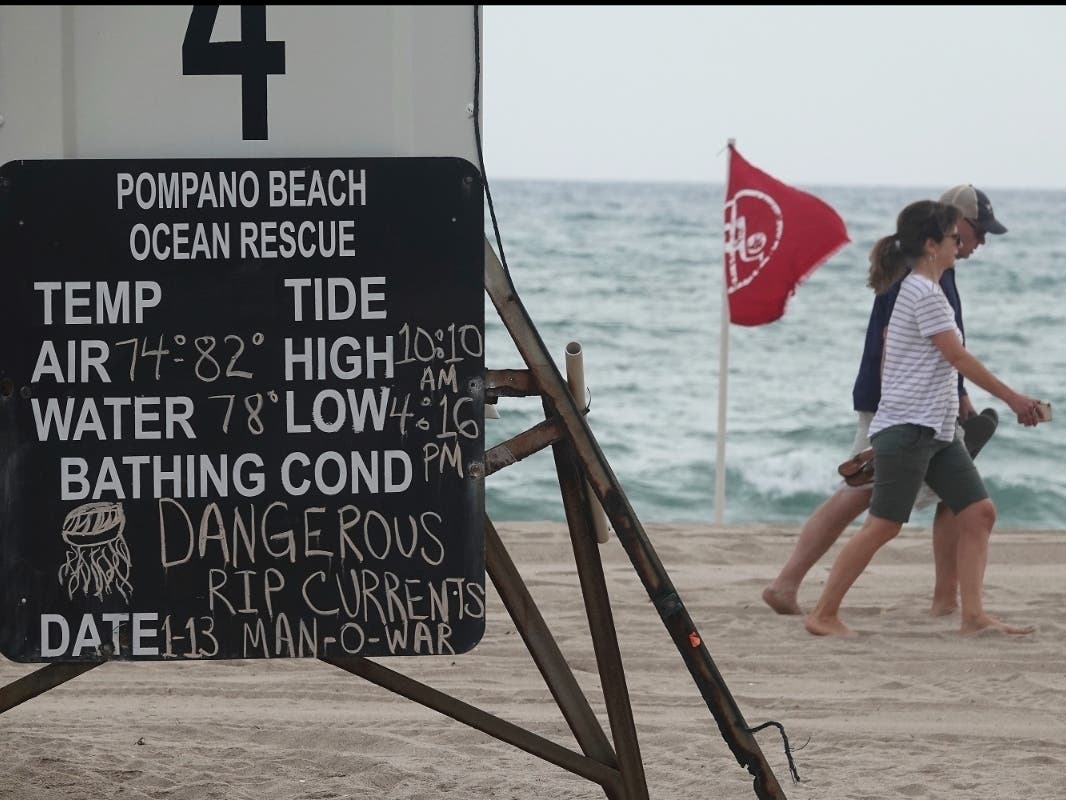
575 378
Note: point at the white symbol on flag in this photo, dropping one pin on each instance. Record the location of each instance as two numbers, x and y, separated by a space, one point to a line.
746 253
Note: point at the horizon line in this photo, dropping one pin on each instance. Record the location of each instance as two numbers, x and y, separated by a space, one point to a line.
705 182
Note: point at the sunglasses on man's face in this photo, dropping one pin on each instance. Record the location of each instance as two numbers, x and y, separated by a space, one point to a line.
978 231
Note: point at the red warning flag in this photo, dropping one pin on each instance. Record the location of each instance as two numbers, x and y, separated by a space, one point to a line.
775 236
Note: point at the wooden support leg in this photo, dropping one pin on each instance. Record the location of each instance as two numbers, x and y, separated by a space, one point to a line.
476 718
545 651
601 621
40 681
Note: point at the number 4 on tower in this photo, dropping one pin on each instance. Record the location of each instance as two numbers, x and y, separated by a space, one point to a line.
253 58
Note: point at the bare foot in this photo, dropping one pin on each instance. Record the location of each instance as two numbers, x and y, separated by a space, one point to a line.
783 602
942 609
986 622
827 626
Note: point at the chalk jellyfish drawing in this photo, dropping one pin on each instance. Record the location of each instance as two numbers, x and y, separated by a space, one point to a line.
98 561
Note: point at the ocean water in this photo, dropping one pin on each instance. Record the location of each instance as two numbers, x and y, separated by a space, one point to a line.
633 272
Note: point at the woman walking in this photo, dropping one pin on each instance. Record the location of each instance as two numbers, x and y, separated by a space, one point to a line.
913 431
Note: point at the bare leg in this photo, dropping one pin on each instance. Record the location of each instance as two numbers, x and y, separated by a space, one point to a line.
975 525
854 557
817 535
945 548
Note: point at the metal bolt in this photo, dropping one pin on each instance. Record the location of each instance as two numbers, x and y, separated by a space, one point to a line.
476 470
26 392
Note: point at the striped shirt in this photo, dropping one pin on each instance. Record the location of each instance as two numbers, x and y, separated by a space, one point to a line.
918 385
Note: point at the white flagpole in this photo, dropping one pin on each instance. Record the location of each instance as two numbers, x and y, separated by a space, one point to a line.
723 375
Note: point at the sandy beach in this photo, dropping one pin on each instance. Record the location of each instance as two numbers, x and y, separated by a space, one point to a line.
909 709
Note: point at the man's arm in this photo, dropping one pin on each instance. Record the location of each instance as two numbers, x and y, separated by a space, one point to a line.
951 291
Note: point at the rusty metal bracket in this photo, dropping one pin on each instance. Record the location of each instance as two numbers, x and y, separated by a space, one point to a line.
509 383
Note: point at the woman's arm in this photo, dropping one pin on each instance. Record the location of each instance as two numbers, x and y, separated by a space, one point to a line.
951 348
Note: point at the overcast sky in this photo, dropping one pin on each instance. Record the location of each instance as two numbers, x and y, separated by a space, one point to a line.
867 95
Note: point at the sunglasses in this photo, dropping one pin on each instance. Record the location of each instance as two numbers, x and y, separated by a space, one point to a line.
956 237
978 231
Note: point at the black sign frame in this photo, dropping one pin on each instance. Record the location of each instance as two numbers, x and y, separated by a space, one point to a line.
286 456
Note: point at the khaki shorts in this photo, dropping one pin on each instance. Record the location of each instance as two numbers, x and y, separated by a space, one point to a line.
904 456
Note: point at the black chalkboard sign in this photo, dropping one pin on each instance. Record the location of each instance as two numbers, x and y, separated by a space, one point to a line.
241 408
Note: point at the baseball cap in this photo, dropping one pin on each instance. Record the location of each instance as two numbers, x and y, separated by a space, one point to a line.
974 205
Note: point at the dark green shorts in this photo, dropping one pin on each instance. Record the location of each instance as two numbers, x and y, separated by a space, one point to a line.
905 456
